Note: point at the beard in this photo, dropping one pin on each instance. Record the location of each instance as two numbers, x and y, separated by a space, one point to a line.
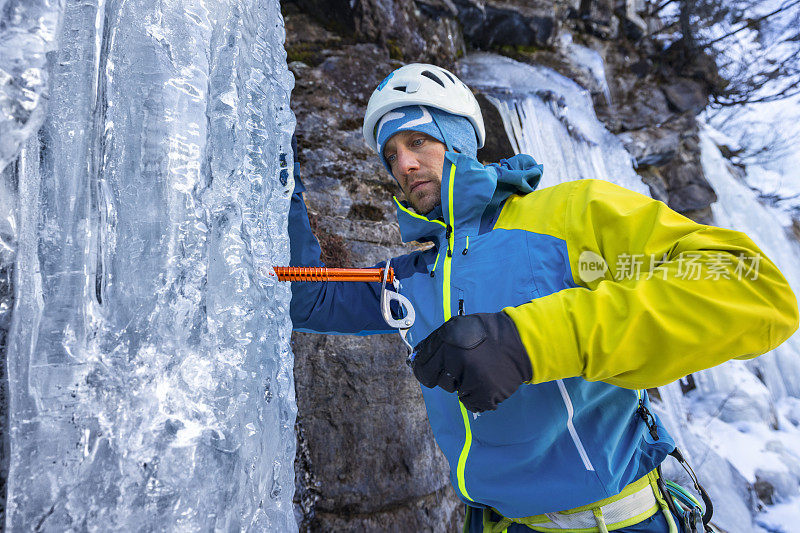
425 197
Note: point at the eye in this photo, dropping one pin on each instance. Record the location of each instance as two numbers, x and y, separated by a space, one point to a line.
418 141
390 158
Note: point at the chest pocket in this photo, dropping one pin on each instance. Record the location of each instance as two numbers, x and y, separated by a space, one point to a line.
495 272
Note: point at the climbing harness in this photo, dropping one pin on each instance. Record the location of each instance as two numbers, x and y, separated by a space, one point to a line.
637 502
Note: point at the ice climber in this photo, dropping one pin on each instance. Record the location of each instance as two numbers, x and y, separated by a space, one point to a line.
534 342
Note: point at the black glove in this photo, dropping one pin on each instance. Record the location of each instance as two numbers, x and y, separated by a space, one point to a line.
481 356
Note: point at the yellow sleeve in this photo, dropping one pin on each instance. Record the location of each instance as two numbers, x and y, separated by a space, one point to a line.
703 295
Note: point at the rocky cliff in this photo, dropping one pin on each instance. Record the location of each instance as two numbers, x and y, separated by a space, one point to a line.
366 457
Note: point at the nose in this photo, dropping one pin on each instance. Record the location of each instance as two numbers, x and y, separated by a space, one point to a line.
407 161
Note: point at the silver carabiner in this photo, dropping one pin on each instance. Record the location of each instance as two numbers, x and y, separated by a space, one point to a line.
387 297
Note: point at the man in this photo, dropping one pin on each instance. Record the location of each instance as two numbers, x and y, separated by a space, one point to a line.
534 359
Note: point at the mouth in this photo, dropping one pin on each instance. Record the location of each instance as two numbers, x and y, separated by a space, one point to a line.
417 185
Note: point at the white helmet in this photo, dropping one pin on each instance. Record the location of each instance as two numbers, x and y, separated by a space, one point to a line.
422 84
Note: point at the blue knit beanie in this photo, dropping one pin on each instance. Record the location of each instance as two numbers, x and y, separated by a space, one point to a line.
456 132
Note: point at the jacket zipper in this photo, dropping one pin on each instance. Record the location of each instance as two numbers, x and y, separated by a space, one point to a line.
647 416
446 290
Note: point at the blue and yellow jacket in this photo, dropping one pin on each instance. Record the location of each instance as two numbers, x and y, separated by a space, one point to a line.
579 431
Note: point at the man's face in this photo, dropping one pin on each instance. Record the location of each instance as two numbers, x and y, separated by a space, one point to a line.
416 161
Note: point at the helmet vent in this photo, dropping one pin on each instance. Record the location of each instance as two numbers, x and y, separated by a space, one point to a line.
401 89
429 74
448 75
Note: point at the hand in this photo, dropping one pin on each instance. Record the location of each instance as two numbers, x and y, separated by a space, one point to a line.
481 356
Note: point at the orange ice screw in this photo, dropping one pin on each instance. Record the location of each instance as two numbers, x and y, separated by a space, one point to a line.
332 274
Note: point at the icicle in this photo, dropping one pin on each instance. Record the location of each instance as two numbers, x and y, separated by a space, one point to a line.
149 364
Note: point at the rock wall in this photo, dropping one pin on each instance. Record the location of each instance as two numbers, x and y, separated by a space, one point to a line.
367 460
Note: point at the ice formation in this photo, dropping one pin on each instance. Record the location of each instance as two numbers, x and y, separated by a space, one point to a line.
150 376
28 31
552 118
740 425
748 413
588 60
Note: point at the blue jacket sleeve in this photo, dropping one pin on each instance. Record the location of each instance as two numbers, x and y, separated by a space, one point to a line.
331 307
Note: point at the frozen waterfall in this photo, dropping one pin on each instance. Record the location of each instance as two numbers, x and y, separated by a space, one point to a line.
740 425
551 118
150 375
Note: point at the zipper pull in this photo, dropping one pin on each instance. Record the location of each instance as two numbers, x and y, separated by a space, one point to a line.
648 418
448 231
461 307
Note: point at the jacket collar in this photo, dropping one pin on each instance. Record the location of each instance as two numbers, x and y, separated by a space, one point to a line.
470 192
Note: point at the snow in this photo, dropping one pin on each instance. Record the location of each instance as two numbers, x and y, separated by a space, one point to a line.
782 517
